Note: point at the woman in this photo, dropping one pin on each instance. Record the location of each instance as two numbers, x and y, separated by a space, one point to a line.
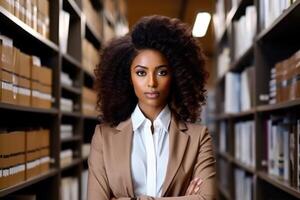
151 89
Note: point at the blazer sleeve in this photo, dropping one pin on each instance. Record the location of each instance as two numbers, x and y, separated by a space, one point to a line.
98 187
205 167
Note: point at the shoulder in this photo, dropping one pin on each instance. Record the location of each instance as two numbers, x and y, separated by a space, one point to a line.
195 128
103 130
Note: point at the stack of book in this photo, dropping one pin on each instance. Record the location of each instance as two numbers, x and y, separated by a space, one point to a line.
239 90
70 188
287 73
66 157
65 79
270 10
66 131
84 183
244 31
219 19
281 139
66 104
223 62
244 142
243 185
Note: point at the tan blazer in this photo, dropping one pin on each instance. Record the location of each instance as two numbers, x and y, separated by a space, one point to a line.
190 156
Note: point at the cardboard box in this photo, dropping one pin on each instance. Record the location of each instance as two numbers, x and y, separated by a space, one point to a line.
45 164
44 136
11 180
6 87
32 169
45 75
35 100
23 68
6 54
12 143
24 92
45 100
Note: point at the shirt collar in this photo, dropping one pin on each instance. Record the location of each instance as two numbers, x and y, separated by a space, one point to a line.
162 120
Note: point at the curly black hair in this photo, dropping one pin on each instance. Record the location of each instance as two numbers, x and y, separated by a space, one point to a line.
173 38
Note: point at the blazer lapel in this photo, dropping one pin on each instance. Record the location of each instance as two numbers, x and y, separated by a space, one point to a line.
177 145
123 139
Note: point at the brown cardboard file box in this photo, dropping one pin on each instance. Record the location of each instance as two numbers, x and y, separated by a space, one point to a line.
45 79
23 69
41 86
44 136
7 70
32 154
12 158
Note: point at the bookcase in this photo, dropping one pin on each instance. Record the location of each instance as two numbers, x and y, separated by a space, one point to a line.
75 32
257 99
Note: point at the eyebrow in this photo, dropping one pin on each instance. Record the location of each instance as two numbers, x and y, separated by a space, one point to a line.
157 67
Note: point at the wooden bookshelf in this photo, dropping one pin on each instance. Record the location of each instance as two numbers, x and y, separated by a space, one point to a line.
47 185
24 184
270 45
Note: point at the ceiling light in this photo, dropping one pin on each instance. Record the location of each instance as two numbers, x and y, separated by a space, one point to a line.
201 24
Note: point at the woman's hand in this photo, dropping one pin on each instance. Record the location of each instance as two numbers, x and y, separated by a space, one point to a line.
194 186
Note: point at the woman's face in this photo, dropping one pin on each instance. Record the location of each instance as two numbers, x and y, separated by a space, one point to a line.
151 78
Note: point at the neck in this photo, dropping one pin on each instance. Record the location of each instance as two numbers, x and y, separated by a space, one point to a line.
150 112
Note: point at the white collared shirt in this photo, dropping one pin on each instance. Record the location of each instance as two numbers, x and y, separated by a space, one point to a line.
150 152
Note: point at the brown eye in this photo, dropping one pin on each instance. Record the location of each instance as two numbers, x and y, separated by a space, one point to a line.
141 73
163 72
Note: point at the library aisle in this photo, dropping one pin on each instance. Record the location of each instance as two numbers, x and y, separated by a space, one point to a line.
50 48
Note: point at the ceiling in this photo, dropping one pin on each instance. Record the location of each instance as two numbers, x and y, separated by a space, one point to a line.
186 10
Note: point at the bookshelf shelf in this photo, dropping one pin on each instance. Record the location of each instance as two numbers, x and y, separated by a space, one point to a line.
71 114
23 32
92 35
88 74
71 89
283 25
283 185
70 59
224 192
237 11
227 156
244 166
17 108
280 106
24 184
90 117
73 7
225 116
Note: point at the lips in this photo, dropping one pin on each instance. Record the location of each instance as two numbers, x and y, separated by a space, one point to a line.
152 95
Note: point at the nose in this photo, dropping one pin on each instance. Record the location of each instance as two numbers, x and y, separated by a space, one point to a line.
152 81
